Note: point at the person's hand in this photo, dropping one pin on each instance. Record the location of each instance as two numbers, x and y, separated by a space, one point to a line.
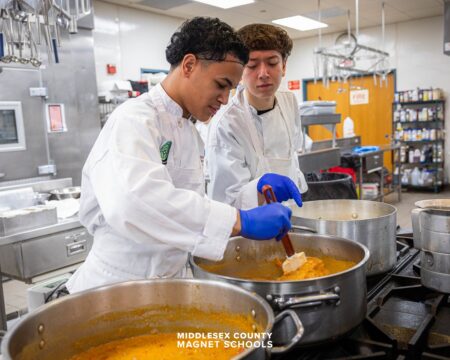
283 187
265 222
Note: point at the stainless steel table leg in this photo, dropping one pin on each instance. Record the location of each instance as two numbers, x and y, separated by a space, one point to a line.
360 180
2 306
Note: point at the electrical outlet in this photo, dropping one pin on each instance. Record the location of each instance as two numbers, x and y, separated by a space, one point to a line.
38 91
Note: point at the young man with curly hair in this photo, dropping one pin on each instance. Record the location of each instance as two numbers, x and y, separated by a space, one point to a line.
259 131
142 185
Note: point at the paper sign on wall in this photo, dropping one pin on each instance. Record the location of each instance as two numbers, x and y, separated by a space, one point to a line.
359 97
294 85
56 120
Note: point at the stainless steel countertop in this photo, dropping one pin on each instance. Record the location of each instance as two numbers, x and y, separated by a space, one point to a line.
63 224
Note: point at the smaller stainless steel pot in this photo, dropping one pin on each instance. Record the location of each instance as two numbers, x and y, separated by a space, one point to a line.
370 223
67 193
431 226
74 323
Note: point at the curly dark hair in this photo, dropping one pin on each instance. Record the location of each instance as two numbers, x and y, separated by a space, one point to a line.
266 37
207 38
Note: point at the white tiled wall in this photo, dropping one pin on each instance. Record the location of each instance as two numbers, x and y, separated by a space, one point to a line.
131 40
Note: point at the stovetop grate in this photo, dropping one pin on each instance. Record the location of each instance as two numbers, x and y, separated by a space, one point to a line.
404 320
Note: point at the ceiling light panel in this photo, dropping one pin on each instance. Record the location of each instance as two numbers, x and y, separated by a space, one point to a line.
226 4
300 23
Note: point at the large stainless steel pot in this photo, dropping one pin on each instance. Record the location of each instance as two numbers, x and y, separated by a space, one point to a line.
72 324
431 227
328 306
370 223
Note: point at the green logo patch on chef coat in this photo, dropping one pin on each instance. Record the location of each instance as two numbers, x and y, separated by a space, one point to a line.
164 151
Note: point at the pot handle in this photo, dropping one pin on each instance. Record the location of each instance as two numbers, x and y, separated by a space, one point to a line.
298 335
307 300
298 228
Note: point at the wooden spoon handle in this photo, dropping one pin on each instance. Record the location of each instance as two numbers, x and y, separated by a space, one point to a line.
270 197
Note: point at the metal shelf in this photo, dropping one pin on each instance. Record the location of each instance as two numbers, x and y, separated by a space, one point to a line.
419 164
435 188
419 102
422 141
433 121
321 119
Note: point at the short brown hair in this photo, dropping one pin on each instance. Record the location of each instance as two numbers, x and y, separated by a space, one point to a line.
266 37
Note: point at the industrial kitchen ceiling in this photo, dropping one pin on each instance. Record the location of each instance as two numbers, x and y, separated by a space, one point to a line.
333 12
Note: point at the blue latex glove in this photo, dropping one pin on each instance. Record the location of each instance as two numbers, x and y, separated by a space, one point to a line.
365 149
283 187
265 222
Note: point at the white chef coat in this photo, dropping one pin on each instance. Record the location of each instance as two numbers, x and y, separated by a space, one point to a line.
242 146
145 216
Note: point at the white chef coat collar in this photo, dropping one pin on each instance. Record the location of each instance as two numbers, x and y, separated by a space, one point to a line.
253 110
169 104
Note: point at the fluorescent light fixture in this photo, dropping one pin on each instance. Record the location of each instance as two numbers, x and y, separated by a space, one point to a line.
226 4
300 23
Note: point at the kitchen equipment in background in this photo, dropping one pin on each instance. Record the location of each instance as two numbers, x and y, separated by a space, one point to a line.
41 197
67 193
43 292
16 198
329 185
328 306
370 223
74 323
317 107
12 133
431 226
29 22
16 221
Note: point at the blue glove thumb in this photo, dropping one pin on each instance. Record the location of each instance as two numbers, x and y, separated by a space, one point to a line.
283 187
265 222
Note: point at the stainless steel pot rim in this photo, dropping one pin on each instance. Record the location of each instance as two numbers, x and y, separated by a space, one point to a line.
393 210
312 281
433 203
100 289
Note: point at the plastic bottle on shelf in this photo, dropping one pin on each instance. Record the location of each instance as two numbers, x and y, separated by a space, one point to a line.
402 115
405 178
403 150
417 155
425 94
411 155
432 134
415 176
423 155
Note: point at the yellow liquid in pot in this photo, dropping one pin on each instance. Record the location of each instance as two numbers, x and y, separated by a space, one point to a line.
271 269
159 346
164 344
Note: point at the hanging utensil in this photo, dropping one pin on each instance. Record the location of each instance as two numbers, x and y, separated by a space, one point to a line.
2 49
294 260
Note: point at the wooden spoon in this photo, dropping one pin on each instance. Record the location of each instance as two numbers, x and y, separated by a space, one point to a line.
294 260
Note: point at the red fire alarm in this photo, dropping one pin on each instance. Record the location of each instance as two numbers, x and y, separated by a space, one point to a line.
111 69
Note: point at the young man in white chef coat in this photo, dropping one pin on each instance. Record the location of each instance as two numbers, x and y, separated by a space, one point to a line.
259 131
142 184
